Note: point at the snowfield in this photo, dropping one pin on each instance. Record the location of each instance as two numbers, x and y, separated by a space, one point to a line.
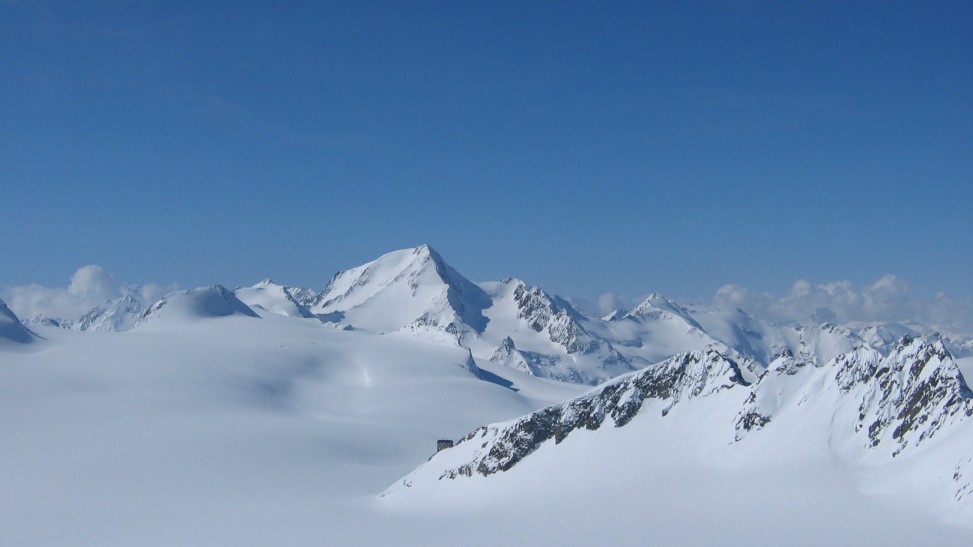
269 415
233 430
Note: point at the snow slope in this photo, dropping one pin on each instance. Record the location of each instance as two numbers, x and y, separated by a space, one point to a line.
204 427
273 298
411 287
243 418
12 331
886 441
116 315
193 305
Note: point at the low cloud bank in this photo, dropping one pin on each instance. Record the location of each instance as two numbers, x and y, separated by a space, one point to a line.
89 286
888 299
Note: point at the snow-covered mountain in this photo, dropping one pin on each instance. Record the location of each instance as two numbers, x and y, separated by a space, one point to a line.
889 404
11 329
195 304
514 324
407 289
273 298
860 408
495 448
698 425
415 291
116 315
530 329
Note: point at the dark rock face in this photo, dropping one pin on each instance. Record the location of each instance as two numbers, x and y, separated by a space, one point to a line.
683 377
541 312
913 393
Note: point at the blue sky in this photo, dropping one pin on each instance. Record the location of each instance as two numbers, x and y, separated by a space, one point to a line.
670 146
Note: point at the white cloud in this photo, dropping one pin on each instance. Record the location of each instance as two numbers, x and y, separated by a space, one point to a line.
603 304
888 299
92 282
89 286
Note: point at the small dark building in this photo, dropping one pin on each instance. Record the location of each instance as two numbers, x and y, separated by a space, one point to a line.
443 444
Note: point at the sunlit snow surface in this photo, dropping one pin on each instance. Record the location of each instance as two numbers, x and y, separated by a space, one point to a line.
231 430
232 418
277 430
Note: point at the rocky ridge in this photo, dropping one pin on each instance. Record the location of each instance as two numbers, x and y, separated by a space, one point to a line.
883 406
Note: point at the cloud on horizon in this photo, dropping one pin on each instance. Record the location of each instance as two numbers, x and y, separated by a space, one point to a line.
889 299
90 286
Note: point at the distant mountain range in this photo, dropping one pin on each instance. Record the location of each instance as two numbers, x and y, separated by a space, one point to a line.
683 411
515 324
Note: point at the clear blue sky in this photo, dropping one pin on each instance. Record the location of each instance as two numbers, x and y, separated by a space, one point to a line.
671 146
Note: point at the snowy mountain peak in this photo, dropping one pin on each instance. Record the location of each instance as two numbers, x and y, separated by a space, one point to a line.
508 355
915 391
657 306
544 315
204 302
116 315
407 288
11 329
890 403
272 297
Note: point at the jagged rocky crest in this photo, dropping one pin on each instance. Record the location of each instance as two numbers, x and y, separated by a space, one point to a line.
681 378
890 404
894 403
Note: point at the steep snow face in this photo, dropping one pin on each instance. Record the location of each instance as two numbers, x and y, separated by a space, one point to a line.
116 315
201 303
273 298
412 287
11 329
495 448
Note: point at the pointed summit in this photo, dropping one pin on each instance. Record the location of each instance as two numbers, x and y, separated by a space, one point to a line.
406 288
656 305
